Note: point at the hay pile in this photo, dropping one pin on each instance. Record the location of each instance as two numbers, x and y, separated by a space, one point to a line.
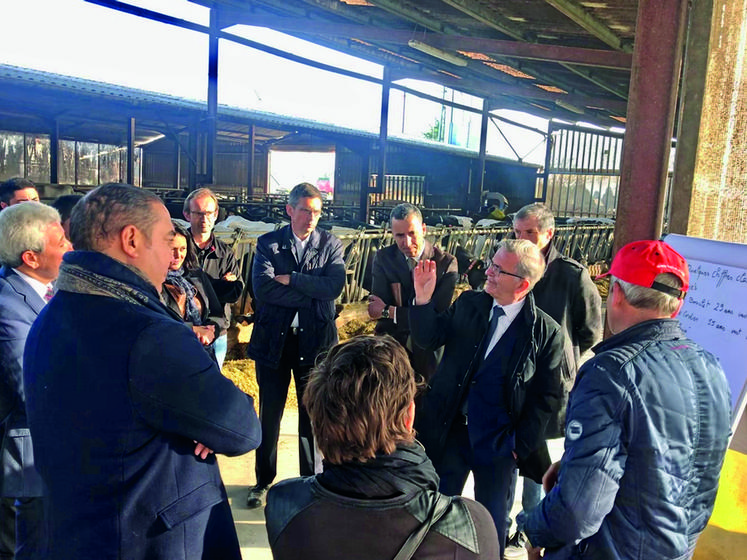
241 370
352 322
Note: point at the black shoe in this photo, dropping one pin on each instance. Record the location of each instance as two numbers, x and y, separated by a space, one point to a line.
515 547
256 497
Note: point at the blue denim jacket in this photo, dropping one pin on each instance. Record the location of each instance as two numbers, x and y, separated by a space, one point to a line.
646 433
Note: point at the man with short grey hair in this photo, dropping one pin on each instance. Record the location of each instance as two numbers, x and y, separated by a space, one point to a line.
392 292
648 425
499 382
32 243
567 294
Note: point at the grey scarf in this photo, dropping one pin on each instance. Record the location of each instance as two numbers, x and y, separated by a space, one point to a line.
79 280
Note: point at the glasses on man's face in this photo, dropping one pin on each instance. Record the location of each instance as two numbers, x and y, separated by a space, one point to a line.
203 214
496 268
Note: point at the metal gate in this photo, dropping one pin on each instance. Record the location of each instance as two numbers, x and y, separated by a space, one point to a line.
582 171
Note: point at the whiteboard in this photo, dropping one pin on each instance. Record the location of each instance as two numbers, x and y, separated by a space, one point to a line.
715 310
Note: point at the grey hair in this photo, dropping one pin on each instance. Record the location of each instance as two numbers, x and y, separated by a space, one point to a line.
198 193
649 298
531 263
303 190
545 219
105 211
23 228
404 211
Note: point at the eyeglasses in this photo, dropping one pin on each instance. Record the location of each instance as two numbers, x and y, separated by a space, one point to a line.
498 270
203 214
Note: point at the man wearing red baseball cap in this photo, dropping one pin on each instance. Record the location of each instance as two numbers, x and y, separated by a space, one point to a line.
647 427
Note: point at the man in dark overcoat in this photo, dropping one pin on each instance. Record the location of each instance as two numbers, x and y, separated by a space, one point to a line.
499 382
124 404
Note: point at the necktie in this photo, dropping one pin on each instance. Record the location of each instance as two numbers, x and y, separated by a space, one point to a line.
49 294
412 263
497 314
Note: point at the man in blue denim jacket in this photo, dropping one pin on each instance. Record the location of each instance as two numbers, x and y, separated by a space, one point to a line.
647 427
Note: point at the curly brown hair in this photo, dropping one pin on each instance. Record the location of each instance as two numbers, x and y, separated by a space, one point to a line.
358 399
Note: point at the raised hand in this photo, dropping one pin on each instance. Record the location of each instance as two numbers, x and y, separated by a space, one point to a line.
424 279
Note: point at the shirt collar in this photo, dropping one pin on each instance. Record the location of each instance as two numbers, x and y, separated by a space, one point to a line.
511 310
38 286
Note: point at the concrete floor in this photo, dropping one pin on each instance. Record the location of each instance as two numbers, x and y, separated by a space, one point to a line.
238 476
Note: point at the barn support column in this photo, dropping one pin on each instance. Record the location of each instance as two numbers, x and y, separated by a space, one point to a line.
192 147
54 150
365 179
130 152
476 198
383 132
651 107
177 161
250 163
212 95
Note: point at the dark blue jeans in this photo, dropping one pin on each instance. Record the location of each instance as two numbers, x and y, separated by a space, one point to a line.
494 483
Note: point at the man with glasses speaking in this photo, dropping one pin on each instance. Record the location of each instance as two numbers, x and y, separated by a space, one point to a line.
499 382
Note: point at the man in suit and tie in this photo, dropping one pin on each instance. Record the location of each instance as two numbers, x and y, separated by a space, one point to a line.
393 291
32 243
499 382
297 274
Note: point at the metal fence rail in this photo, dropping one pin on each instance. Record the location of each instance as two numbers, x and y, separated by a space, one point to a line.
588 244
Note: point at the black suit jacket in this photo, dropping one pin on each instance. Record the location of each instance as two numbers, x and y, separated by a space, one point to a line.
389 271
534 372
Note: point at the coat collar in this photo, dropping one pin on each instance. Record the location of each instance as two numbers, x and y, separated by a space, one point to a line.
655 329
21 287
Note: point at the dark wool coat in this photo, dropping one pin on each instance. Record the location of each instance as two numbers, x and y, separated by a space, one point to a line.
534 371
117 394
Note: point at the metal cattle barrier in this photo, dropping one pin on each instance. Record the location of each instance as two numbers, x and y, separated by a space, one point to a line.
588 244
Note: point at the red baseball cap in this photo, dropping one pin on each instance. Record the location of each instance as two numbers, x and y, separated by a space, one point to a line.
640 262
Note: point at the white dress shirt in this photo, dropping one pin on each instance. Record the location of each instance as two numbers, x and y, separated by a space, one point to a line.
300 248
510 312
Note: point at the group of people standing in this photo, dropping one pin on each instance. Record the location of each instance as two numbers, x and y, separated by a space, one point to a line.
502 372
127 408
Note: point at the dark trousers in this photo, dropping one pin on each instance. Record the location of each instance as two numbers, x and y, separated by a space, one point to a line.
273 392
22 530
494 483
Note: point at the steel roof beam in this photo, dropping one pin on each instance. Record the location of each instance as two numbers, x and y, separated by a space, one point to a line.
513 49
578 14
470 8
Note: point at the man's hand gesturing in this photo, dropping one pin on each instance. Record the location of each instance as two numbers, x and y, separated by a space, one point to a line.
424 278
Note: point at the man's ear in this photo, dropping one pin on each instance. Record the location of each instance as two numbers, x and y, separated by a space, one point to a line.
410 418
186 215
288 210
3 205
30 259
129 240
677 311
551 232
